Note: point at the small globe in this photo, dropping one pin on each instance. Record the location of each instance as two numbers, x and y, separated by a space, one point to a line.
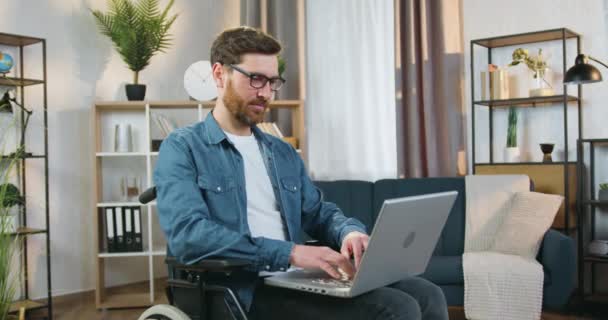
6 62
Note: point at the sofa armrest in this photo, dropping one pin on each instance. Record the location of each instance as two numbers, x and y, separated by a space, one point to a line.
558 257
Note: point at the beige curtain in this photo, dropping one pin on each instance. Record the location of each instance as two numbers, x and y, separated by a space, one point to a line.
430 111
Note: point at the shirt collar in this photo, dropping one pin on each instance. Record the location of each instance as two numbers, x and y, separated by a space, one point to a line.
215 134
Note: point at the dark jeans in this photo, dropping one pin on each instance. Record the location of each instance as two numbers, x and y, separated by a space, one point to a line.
412 299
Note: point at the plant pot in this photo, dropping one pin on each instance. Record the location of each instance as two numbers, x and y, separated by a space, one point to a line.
603 195
136 92
511 154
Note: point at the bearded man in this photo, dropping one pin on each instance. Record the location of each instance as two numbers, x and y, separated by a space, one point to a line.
225 189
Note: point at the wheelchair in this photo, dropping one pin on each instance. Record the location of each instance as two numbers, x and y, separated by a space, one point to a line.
190 295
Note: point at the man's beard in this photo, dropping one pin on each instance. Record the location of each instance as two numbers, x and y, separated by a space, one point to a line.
239 108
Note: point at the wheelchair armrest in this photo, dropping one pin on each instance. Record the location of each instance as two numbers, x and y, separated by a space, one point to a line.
148 195
314 243
210 265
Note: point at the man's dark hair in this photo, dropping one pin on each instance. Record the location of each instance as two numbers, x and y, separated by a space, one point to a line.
232 43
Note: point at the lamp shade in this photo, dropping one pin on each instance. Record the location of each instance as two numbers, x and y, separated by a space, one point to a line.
582 72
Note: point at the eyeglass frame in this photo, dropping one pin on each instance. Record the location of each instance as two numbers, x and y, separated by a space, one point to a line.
253 75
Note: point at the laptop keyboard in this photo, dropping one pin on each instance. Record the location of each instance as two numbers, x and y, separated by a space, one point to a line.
333 282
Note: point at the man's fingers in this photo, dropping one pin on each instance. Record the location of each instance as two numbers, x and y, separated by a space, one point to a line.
345 250
325 266
345 265
357 251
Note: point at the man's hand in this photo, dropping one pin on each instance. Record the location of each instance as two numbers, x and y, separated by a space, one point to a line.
309 257
355 243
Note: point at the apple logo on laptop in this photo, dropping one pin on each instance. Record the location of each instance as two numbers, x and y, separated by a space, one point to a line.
409 239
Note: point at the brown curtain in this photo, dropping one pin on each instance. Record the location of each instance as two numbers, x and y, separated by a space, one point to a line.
430 113
281 23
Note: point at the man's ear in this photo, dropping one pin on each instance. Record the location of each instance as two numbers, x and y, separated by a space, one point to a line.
219 74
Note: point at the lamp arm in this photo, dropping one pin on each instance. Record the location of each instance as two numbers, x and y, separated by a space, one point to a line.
598 61
29 112
27 117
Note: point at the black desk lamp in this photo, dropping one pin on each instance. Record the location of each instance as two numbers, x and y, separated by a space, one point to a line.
6 105
582 72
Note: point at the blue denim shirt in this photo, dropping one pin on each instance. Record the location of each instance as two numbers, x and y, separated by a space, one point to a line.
202 203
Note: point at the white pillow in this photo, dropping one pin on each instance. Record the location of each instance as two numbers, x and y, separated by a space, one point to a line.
530 216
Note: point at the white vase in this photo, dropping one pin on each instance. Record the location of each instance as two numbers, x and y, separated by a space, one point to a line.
122 138
511 154
540 86
9 222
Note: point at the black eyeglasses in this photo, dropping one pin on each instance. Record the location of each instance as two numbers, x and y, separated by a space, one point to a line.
259 81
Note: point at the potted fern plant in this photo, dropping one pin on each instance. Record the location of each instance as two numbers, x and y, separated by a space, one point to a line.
138 31
8 249
9 197
512 151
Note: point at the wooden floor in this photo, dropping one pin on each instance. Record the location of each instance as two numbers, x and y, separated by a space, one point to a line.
82 306
457 313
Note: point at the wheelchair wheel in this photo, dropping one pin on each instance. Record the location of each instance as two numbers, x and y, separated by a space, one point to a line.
163 312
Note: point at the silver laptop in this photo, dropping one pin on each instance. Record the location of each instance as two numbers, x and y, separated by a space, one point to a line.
401 244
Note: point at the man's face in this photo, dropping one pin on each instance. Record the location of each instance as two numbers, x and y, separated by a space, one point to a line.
246 103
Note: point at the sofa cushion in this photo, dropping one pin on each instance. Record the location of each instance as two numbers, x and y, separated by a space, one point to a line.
443 270
531 214
451 242
352 196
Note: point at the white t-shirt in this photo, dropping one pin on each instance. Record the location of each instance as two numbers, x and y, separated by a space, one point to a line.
263 215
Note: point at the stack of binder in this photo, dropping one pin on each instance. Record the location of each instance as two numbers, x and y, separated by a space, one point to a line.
123 229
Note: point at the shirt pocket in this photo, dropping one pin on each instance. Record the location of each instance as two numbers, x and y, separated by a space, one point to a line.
219 193
291 184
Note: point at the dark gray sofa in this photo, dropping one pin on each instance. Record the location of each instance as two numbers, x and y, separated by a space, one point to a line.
363 200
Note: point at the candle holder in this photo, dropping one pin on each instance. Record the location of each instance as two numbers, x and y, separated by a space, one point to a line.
547 148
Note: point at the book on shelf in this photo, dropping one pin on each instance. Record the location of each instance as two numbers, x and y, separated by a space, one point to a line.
164 123
270 128
137 239
122 229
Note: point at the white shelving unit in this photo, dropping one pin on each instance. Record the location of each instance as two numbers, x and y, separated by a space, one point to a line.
110 166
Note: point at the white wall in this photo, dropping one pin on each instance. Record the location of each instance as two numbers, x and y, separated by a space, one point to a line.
489 18
82 68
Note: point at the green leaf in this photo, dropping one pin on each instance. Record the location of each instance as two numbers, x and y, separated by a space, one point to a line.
282 65
137 30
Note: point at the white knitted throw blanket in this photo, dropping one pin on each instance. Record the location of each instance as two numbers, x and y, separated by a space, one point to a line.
497 286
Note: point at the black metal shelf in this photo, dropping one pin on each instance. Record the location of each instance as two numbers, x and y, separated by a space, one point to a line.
16 40
595 259
527 101
27 156
19 85
27 231
594 141
525 163
528 37
27 304
594 203
587 205
18 82
562 101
